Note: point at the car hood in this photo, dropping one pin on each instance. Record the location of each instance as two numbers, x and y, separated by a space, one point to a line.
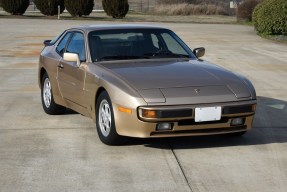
180 78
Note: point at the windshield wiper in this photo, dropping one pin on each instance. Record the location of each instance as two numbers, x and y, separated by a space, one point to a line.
166 54
162 54
120 57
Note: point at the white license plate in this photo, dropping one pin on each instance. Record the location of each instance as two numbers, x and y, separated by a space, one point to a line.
207 114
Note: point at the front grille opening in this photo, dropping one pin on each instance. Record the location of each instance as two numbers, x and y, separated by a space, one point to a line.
188 122
202 131
237 109
175 113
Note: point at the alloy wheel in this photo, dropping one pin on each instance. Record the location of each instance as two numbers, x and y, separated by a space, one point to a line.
105 118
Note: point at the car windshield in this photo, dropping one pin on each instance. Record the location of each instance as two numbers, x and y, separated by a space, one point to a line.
123 44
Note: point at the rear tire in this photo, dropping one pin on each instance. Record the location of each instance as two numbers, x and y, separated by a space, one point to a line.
105 121
48 103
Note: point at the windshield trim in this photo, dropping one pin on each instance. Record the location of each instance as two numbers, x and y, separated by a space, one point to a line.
135 30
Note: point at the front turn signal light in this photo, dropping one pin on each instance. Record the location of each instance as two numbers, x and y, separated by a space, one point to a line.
125 110
149 113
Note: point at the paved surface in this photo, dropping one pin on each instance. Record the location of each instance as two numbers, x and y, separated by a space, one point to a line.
63 153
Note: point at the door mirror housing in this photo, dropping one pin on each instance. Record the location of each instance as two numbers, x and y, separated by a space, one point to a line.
47 43
199 52
72 57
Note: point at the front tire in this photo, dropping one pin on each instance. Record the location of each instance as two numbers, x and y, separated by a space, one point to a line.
48 103
105 121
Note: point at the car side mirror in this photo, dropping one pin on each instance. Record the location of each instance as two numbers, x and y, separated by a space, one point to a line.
72 57
199 52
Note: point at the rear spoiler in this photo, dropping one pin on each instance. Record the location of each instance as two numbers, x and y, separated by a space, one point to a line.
47 43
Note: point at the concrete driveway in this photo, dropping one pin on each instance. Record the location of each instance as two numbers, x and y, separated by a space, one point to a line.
39 152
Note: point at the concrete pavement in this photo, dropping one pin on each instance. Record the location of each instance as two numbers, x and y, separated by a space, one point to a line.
39 152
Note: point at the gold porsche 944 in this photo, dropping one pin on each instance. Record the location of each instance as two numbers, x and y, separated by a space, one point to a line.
142 81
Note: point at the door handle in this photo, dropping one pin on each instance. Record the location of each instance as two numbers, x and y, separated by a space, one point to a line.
60 66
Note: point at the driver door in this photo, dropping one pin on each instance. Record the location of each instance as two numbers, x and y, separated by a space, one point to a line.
71 78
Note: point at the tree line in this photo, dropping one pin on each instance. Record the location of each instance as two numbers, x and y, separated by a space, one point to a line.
77 8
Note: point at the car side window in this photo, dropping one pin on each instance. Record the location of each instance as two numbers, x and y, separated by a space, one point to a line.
61 46
77 45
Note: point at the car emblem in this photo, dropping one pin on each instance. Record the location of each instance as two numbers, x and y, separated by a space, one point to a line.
197 90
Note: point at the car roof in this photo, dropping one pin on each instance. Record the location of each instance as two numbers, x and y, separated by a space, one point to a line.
88 28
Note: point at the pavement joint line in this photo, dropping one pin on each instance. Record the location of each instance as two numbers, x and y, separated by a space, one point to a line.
270 89
269 127
180 166
17 68
19 91
37 129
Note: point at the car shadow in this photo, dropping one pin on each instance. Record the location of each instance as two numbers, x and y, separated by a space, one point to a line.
70 112
270 126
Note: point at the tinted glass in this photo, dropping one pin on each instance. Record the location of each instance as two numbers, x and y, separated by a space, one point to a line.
172 44
77 45
61 46
136 44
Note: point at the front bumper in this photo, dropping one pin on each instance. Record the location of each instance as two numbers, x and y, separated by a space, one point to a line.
135 125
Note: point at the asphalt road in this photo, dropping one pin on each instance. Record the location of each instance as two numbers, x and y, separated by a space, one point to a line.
39 152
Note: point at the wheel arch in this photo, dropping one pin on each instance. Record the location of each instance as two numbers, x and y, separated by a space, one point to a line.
98 92
55 89
41 74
